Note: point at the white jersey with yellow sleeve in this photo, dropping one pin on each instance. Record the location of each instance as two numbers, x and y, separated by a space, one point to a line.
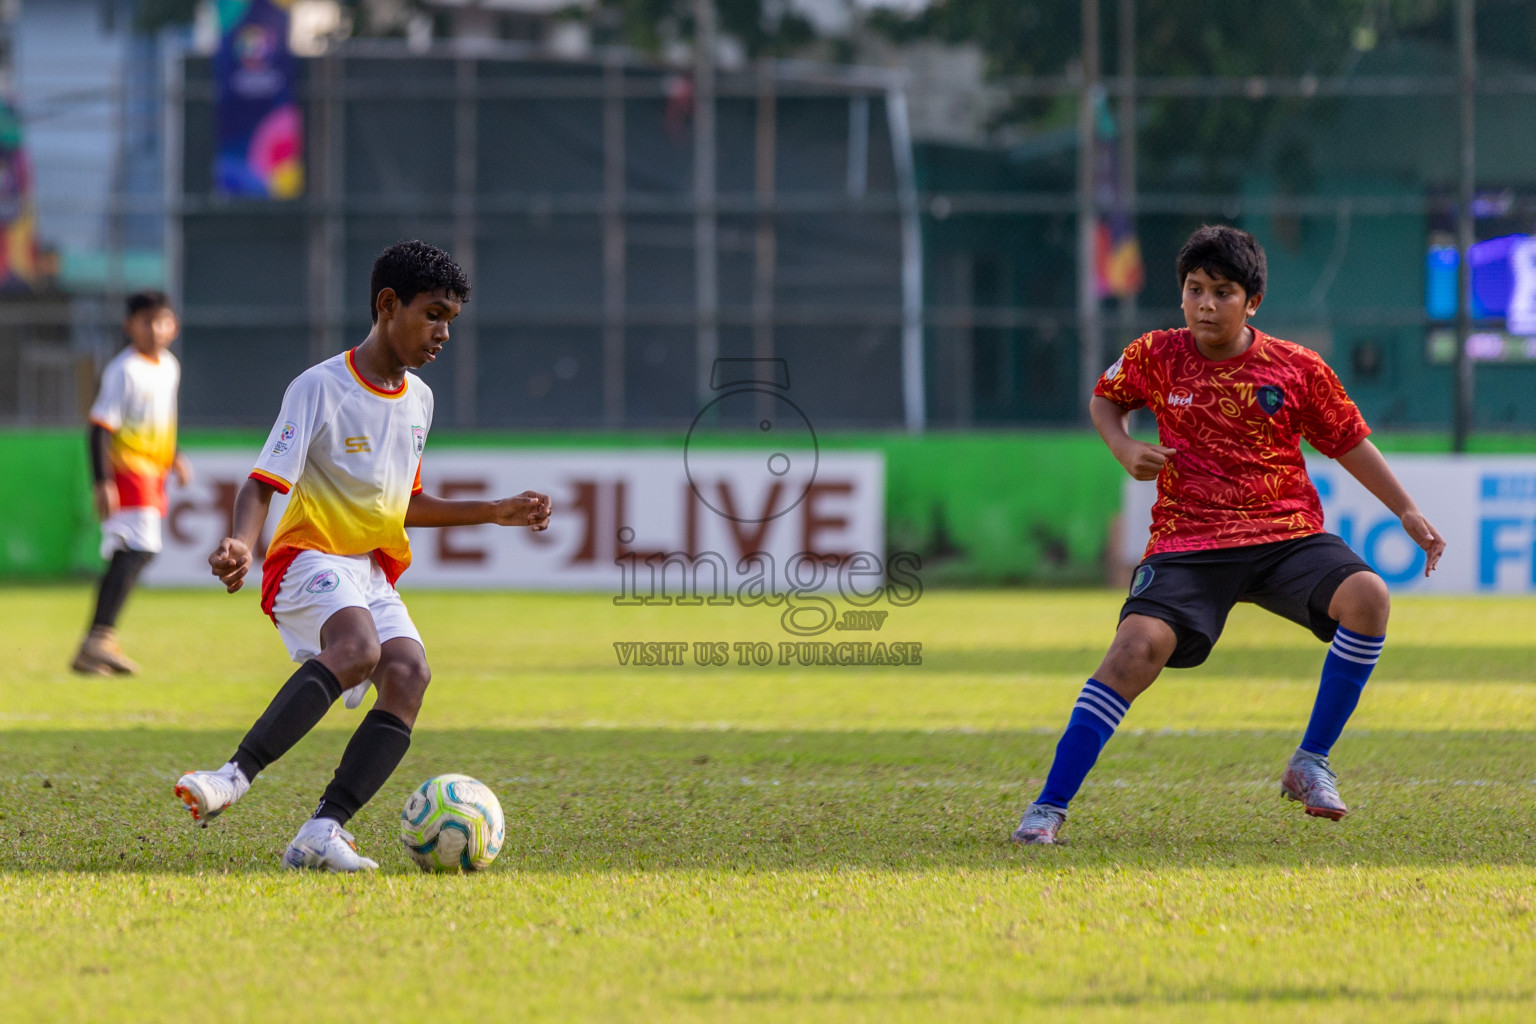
348 455
137 404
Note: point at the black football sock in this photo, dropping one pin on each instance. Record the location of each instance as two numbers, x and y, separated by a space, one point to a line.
371 757
122 573
298 707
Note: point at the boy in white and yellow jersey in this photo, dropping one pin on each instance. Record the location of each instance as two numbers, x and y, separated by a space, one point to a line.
133 447
347 449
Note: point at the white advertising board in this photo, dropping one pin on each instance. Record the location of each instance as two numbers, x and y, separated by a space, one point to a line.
608 505
1484 506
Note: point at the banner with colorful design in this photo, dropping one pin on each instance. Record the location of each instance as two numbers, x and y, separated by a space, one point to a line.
259 128
18 217
1118 269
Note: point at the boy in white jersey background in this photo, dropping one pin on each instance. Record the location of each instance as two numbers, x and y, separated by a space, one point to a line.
347 450
133 447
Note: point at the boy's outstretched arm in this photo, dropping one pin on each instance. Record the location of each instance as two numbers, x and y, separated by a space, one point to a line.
231 560
1365 463
1142 460
530 509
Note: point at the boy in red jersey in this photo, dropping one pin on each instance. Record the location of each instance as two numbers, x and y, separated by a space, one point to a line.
347 449
1236 518
132 446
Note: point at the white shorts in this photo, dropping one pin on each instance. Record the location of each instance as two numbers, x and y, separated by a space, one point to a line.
131 529
317 586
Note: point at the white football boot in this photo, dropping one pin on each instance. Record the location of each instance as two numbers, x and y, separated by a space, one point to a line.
355 695
209 794
323 844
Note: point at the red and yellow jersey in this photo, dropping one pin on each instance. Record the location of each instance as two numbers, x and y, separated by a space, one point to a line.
1238 476
348 454
137 403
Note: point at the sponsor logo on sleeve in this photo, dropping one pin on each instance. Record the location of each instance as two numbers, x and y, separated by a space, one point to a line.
1114 369
284 439
419 436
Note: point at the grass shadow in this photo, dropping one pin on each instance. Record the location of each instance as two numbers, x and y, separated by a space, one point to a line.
580 800
1399 663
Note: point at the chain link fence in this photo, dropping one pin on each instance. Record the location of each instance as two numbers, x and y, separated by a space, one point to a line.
622 232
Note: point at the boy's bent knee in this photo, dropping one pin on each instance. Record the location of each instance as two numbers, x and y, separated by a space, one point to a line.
352 658
358 657
1142 646
1362 604
350 646
403 676
1145 639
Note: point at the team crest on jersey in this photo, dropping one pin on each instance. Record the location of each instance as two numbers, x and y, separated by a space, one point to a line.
1270 399
284 439
322 582
1114 369
419 435
1140 581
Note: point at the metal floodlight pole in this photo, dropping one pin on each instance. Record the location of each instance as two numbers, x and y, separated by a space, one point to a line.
324 187
765 238
466 160
1127 143
1462 402
615 265
173 72
1087 221
116 226
914 389
705 235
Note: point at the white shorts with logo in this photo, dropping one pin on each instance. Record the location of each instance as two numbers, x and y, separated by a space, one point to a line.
318 585
131 529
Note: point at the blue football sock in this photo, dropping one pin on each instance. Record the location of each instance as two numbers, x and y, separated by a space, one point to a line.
1350 659
1094 718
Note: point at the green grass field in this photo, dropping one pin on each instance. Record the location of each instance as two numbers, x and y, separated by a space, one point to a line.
769 843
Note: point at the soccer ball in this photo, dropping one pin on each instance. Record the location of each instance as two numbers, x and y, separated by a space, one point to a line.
452 823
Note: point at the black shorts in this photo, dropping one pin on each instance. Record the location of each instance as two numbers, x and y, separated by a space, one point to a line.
1193 591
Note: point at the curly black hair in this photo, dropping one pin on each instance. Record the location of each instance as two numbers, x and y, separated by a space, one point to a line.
1226 252
411 268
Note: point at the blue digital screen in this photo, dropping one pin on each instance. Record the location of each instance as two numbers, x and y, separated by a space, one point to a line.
1493 278
1440 283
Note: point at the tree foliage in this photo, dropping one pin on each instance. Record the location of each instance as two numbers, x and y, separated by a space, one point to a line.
1211 37
1209 139
153 15
765 28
